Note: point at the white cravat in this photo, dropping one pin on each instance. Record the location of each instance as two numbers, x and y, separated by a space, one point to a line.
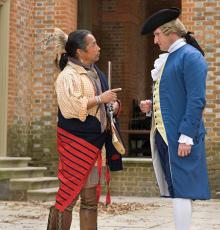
158 64
155 73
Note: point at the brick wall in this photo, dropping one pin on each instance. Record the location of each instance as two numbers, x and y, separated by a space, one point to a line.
137 179
43 112
203 18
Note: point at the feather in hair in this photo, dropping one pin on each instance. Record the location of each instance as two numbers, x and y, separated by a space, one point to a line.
58 38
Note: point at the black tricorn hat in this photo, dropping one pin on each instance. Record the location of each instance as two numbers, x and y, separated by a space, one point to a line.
159 18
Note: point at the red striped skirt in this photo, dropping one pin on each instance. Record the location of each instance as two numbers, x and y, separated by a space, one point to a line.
76 160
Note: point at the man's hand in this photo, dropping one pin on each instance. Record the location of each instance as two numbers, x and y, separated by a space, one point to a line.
184 150
145 106
109 95
115 107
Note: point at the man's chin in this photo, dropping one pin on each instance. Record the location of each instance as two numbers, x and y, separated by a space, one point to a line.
163 49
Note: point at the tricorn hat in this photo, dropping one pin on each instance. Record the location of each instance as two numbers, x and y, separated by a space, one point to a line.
159 18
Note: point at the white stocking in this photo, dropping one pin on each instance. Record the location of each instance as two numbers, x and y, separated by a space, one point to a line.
182 213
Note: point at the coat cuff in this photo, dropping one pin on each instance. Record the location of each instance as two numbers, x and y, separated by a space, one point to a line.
189 127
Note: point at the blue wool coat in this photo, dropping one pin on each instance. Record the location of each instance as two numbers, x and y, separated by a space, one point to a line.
182 101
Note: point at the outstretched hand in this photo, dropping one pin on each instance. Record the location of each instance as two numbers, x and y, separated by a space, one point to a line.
109 95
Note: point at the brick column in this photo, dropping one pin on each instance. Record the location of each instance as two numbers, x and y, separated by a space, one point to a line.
202 17
47 15
31 99
19 81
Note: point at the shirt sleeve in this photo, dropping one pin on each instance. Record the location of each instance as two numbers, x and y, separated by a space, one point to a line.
185 140
70 97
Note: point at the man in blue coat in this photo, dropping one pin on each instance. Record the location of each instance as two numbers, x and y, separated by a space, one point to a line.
178 132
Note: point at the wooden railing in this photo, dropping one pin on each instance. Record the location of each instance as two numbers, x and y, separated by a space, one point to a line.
135 131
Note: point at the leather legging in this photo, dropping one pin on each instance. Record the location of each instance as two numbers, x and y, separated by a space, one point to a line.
88 208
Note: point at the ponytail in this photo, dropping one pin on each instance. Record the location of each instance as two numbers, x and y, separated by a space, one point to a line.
192 41
63 61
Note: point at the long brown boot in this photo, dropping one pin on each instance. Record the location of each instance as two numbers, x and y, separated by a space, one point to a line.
88 209
52 218
59 220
